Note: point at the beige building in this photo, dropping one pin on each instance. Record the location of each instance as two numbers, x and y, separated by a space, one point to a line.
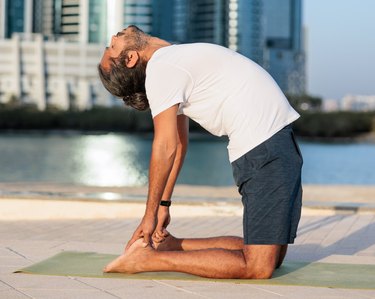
56 73
358 103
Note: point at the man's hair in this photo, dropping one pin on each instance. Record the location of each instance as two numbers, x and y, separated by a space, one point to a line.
128 83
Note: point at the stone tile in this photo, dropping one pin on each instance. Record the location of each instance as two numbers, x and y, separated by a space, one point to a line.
129 288
222 290
4 286
110 248
349 259
30 281
5 252
25 243
368 253
13 294
325 238
112 283
305 292
13 261
33 253
8 269
66 294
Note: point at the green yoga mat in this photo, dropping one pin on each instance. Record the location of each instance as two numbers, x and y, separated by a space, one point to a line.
89 264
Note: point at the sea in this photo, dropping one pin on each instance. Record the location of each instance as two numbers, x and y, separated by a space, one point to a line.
118 159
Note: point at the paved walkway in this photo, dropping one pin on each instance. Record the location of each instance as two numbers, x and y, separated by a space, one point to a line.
342 238
331 197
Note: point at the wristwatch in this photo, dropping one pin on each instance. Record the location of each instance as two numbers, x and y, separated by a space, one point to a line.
165 203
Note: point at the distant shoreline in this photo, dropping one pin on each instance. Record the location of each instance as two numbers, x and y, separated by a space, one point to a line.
364 137
313 125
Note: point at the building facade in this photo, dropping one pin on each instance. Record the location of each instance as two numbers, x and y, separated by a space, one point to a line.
139 13
266 31
82 21
284 54
358 103
207 21
50 50
48 73
15 16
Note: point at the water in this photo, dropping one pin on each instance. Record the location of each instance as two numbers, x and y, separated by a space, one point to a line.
122 160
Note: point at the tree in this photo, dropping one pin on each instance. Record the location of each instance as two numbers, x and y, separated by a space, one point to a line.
305 102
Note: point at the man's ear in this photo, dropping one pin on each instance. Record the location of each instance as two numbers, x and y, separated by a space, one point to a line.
131 59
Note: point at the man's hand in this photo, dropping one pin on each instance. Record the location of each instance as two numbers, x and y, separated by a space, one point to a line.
145 230
164 218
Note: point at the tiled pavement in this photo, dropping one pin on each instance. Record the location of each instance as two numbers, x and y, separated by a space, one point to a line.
343 238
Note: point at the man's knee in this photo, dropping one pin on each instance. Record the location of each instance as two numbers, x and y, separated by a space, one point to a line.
259 268
259 272
282 255
261 261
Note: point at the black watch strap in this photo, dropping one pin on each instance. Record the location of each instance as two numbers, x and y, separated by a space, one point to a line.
165 203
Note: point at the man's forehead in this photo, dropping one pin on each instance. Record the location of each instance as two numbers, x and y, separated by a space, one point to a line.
106 61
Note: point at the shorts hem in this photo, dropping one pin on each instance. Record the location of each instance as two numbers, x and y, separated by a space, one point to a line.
268 242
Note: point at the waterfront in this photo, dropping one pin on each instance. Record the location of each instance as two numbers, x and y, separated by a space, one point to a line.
122 160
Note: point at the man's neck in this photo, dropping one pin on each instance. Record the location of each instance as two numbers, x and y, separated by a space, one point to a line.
154 44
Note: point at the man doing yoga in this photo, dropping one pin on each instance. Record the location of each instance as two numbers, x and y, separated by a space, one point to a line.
227 94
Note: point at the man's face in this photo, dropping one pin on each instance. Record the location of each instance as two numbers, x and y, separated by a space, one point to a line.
127 38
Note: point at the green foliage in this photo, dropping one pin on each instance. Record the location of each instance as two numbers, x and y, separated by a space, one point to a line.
334 124
97 119
311 124
305 102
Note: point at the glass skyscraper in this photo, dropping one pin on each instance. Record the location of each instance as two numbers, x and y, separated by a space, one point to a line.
284 55
13 17
97 20
82 20
139 13
164 16
267 31
74 20
207 21
232 23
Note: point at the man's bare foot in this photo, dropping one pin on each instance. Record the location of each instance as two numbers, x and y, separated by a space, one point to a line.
134 259
169 243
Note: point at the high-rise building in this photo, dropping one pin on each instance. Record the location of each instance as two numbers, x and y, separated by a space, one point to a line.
139 13
250 29
122 13
15 16
163 19
44 18
207 21
51 73
69 15
181 20
236 24
284 55
81 20
267 31
97 21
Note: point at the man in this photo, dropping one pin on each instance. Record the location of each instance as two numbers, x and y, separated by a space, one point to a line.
227 94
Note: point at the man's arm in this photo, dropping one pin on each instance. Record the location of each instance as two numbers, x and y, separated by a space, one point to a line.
164 149
182 144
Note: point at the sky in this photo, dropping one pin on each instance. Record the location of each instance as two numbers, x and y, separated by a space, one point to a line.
340 47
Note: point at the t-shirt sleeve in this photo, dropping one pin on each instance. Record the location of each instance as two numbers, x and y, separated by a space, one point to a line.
166 85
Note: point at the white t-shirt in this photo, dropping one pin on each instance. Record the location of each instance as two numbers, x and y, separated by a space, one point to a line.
223 91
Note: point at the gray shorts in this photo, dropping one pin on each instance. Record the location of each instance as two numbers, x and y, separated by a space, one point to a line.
269 179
